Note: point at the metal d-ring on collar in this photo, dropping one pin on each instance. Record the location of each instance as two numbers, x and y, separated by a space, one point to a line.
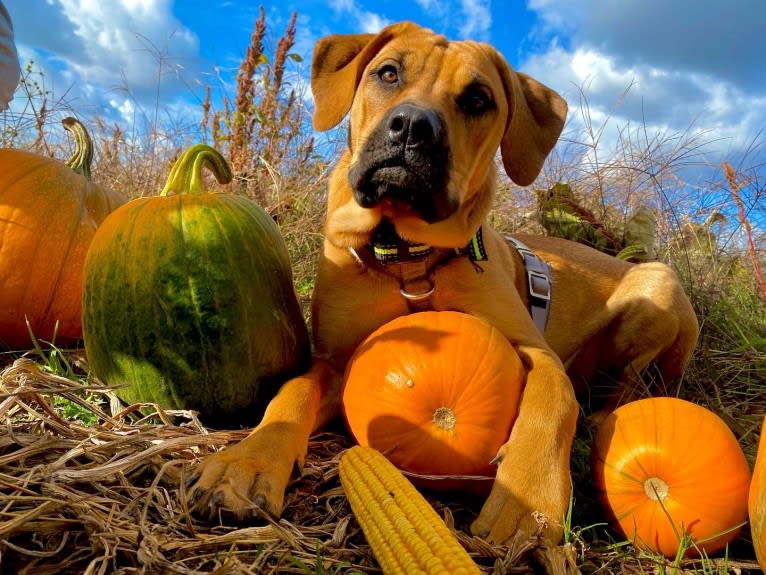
412 264
409 273
416 284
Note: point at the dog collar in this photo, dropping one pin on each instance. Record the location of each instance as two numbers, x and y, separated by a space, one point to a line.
415 262
412 264
387 247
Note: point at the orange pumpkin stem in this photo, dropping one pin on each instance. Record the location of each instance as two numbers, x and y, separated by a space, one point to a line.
186 174
82 158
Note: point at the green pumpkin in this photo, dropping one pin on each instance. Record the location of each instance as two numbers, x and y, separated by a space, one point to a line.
188 300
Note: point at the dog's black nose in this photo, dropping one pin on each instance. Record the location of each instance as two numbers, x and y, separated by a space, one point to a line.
414 126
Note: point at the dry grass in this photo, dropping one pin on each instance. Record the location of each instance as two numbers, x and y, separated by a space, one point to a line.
108 497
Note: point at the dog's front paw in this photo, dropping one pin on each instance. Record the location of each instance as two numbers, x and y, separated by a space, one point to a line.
245 479
526 506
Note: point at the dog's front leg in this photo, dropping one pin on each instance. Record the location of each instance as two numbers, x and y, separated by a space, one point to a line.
254 472
532 486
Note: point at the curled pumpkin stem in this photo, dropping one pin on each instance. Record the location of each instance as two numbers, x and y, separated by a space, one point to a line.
82 158
186 174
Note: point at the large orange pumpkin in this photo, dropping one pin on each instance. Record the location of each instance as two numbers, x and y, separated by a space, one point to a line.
437 392
49 212
757 500
668 469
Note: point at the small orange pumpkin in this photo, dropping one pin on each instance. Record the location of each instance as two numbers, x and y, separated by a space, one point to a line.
757 500
49 212
437 392
667 468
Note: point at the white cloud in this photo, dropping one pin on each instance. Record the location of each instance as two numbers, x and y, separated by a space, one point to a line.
126 109
103 53
369 22
365 21
342 5
685 65
478 19
128 40
681 69
722 39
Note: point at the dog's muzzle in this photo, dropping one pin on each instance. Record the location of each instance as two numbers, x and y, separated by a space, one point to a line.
405 160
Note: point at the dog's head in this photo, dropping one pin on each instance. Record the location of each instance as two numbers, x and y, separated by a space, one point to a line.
426 119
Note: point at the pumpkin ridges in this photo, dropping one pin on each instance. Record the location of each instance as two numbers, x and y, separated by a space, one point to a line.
184 241
454 390
48 215
471 401
670 438
473 410
60 281
132 245
44 270
279 262
430 348
106 268
202 338
256 260
665 465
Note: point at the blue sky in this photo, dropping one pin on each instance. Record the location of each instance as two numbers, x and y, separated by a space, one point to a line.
691 65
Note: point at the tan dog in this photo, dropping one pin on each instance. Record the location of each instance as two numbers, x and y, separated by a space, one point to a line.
427 117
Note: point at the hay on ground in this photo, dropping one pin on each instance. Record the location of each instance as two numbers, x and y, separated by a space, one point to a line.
109 496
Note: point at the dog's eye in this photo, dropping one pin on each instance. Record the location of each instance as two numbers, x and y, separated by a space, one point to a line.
388 74
475 101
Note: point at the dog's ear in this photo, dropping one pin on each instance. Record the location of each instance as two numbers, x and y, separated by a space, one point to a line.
337 67
335 71
537 116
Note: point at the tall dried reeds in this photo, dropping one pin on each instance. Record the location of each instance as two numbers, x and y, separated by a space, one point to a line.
264 132
265 128
735 187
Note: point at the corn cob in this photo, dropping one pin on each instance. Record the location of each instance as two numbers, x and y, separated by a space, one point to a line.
405 533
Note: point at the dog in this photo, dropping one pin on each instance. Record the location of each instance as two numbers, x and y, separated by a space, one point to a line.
406 230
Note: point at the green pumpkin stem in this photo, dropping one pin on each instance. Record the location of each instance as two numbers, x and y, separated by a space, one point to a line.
186 174
82 157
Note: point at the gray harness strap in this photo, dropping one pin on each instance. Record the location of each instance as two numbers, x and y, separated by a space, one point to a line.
538 283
